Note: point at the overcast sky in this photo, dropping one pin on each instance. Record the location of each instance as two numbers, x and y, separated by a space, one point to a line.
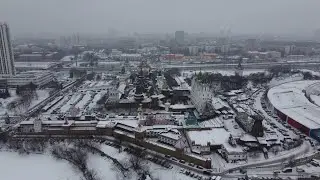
97 16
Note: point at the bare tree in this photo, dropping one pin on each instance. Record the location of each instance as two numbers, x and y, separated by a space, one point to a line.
25 101
138 163
275 150
77 157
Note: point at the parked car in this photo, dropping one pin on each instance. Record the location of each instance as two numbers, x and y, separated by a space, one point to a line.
207 172
191 164
243 171
300 170
314 163
199 167
287 170
276 172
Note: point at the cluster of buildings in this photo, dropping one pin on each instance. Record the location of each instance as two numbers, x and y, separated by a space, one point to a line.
264 55
38 57
116 54
69 41
161 111
37 77
191 145
165 118
8 73
162 138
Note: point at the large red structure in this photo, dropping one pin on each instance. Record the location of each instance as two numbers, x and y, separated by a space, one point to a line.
289 102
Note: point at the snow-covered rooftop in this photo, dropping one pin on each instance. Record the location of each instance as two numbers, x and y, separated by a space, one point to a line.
171 135
40 65
215 122
181 106
218 104
215 136
85 100
233 149
290 99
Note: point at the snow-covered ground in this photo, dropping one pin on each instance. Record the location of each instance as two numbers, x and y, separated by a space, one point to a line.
107 171
5 102
41 94
35 167
282 80
315 99
39 167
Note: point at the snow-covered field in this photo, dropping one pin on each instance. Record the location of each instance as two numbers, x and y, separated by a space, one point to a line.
282 80
36 167
40 167
315 99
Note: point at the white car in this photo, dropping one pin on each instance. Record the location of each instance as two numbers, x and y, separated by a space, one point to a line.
300 170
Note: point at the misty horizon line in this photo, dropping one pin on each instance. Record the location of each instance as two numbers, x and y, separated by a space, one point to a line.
132 34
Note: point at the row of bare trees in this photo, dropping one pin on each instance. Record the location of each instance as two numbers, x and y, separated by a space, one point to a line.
76 156
76 153
136 162
27 93
26 146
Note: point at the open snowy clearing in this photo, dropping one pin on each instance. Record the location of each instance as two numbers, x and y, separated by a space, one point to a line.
39 167
35 167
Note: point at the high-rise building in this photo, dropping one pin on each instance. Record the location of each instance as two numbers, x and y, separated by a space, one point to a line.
252 44
179 37
6 53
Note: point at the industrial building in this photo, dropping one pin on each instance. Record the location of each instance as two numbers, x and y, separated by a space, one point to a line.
290 103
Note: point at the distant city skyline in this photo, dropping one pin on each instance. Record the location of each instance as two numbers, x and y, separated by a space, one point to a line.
96 17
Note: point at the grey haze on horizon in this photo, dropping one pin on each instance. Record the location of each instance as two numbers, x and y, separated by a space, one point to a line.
161 16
